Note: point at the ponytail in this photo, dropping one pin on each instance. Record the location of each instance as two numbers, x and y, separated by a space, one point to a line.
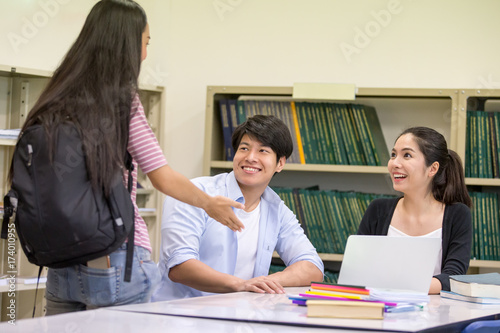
450 186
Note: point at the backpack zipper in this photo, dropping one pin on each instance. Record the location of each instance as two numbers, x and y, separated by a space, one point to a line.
31 168
30 154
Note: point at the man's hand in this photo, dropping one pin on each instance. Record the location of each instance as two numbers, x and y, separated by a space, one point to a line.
220 209
261 284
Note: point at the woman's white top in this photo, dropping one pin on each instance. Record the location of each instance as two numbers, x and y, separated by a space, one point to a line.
393 232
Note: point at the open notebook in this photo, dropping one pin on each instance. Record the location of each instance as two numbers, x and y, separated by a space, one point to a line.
405 263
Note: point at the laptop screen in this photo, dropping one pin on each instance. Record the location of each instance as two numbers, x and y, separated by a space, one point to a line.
405 263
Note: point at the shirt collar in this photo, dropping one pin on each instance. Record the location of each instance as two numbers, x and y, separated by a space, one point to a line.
233 189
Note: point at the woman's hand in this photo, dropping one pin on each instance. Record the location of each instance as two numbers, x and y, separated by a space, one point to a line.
220 209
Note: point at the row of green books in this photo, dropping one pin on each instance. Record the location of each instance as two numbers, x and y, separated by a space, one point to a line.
322 132
482 144
327 217
485 221
330 217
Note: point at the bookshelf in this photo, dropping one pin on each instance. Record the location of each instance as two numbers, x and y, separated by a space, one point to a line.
483 105
19 90
149 200
397 109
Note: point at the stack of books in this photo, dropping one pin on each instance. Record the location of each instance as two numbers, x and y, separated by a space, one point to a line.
354 302
474 288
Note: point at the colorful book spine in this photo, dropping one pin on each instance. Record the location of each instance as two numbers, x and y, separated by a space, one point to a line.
297 133
341 288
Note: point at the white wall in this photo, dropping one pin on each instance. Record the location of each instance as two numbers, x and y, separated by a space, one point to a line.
195 43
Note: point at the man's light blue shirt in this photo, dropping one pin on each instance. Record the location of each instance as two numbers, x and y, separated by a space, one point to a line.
189 233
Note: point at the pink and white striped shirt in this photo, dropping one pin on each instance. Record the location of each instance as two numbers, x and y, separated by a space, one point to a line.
146 152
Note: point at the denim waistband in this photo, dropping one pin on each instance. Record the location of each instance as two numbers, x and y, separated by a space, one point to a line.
141 252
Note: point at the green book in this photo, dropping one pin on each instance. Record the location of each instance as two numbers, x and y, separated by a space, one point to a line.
468 145
361 124
332 220
319 220
314 236
356 134
336 138
233 114
356 213
495 229
285 113
475 227
376 136
305 132
344 217
493 146
480 221
485 278
485 225
357 157
326 220
475 146
325 145
340 112
496 116
242 116
329 149
299 211
338 218
487 146
480 145
318 140
492 221
314 145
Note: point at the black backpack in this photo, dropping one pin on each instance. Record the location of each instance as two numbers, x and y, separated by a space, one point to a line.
60 220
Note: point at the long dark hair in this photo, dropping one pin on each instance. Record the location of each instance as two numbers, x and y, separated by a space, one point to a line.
94 85
448 185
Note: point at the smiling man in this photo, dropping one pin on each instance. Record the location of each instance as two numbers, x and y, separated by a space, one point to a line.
200 256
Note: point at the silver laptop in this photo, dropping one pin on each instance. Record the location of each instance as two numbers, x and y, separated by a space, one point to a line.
405 263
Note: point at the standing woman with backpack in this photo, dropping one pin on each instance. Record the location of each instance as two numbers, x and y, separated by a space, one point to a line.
95 88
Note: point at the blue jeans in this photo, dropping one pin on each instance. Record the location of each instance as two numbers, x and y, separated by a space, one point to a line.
79 287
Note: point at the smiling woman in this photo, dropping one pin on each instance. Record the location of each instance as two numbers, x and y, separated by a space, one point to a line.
435 201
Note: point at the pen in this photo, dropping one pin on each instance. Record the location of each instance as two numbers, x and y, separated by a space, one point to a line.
403 308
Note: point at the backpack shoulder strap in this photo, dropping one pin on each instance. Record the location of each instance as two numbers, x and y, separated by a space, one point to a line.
10 205
130 245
